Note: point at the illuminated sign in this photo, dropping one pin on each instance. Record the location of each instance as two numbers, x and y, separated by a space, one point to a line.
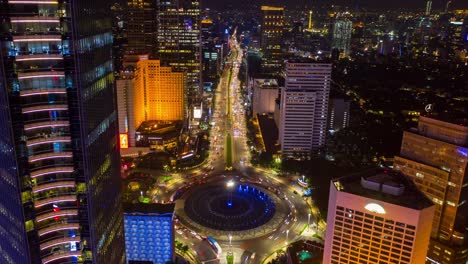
124 141
429 108
197 113
375 208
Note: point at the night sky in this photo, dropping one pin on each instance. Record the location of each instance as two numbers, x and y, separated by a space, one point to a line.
437 4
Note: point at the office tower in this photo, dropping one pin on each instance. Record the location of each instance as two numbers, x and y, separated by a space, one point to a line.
435 156
149 232
428 7
265 93
272 39
304 107
377 217
210 58
338 114
140 26
178 41
60 179
341 37
148 92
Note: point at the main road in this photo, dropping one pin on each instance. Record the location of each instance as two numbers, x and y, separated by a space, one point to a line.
229 124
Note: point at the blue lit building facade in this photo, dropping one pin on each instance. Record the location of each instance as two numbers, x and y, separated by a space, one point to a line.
59 160
149 232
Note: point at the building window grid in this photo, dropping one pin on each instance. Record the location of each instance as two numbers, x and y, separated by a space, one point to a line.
351 242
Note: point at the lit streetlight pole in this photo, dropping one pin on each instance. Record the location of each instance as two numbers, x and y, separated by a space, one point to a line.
308 223
287 236
230 184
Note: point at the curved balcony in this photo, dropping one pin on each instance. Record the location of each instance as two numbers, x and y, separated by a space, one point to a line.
49 171
50 155
57 227
39 57
53 185
44 108
61 255
38 19
36 38
48 140
59 241
50 215
57 199
43 74
43 92
38 125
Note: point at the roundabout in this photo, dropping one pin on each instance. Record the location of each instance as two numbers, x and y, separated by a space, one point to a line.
240 210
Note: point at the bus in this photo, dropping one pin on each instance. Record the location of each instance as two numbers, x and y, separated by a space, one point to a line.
214 244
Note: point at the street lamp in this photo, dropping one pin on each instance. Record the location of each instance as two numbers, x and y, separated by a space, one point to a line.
230 184
308 223
287 236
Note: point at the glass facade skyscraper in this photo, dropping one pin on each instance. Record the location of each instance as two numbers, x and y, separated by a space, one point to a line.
272 39
178 40
59 156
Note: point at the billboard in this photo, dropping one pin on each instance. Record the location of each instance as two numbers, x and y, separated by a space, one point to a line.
124 141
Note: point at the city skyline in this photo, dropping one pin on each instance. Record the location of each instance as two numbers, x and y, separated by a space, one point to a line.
437 4
255 132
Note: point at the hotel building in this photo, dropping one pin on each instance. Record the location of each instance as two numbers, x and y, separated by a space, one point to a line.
304 107
148 92
377 217
59 158
434 156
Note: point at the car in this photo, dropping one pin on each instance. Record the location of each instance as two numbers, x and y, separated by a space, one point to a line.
294 192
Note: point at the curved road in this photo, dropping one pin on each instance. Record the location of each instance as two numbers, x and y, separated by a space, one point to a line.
229 119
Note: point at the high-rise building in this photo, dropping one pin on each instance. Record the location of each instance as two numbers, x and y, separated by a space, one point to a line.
304 107
265 93
272 39
59 159
148 92
435 156
140 26
341 36
178 41
428 7
338 114
149 232
210 51
377 217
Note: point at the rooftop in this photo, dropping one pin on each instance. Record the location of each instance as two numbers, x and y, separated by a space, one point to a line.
272 8
266 83
454 119
386 186
148 209
159 128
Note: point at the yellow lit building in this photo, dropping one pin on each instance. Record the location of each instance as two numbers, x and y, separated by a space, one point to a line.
148 92
435 156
